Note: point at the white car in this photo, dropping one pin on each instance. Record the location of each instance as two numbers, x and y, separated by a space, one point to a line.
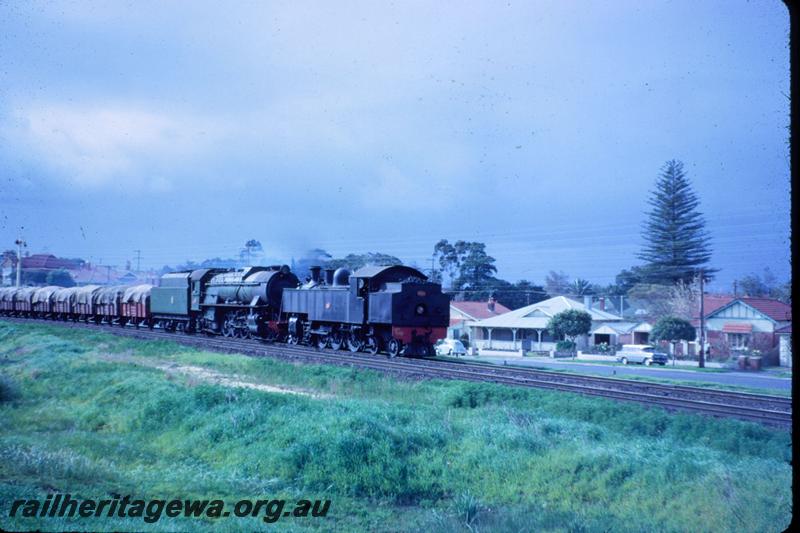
641 353
450 347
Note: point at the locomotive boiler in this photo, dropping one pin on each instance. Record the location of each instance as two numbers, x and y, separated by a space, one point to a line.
233 303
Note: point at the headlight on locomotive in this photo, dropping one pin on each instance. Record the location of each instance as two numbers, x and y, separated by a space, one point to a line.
420 309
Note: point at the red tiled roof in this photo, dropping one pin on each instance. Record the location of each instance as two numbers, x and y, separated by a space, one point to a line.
46 261
480 310
775 309
712 302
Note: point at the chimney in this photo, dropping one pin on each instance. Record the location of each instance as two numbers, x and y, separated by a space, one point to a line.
329 276
602 303
490 303
315 270
587 301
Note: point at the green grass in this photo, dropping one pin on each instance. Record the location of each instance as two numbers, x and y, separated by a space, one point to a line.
88 413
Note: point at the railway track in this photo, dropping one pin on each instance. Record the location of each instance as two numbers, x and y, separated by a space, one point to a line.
761 408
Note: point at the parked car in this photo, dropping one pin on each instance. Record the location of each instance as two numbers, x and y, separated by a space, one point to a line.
642 354
450 347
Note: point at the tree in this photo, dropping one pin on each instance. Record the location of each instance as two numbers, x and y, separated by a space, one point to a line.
215 262
626 279
673 329
519 294
475 268
763 286
468 267
581 287
60 277
784 292
654 298
447 259
355 261
556 283
683 299
250 247
570 324
676 242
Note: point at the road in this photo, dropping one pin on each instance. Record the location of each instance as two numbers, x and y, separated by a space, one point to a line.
740 379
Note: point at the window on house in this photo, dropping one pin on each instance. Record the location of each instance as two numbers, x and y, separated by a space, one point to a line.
738 341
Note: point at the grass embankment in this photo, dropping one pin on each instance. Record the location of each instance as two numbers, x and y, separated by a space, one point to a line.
95 415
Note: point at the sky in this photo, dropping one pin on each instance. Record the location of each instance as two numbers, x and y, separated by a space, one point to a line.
183 129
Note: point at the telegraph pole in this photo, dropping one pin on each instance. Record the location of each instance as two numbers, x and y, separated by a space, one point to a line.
702 359
138 261
20 243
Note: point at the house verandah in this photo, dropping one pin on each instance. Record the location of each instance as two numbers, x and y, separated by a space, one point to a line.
513 339
526 328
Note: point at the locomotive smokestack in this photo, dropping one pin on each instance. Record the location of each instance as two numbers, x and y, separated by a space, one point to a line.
315 270
329 276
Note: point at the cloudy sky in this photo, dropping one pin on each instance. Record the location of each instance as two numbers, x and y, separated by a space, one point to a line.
185 128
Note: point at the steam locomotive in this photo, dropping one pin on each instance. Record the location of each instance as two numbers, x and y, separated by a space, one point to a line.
394 309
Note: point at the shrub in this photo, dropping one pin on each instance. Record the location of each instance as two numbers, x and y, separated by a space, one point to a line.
673 329
565 346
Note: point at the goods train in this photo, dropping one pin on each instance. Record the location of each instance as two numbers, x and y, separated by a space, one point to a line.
394 309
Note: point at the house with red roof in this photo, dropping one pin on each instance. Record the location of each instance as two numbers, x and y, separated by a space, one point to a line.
744 324
49 262
463 314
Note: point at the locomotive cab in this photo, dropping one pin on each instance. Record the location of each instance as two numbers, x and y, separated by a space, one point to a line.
410 312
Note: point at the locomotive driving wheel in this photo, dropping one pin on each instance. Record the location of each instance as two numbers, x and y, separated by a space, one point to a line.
336 340
371 345
321 342
354 343
394 347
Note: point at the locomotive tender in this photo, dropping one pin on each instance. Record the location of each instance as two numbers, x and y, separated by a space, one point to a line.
377 308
